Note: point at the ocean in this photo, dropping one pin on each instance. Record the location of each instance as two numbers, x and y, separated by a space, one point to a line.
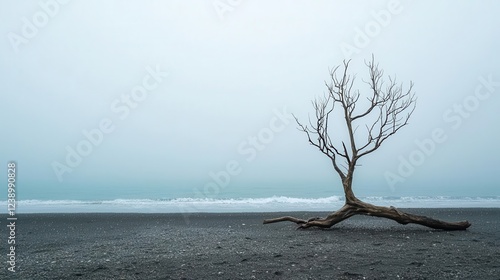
227 205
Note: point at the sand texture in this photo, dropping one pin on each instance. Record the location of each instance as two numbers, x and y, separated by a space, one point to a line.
239 246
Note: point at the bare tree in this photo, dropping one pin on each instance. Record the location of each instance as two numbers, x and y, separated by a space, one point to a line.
387 109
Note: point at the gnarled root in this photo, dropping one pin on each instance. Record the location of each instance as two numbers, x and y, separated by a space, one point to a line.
361 208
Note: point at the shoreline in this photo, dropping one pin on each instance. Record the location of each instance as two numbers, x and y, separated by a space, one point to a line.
238 205
239 246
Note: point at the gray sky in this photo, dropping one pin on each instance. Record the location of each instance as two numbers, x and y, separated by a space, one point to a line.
236 70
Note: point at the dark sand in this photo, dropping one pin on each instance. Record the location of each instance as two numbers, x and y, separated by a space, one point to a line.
239 246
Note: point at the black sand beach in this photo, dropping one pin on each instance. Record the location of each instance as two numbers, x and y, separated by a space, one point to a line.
239 246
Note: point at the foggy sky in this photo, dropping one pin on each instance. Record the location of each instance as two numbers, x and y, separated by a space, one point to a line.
120 99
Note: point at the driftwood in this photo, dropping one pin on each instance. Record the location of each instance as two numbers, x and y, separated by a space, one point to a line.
388 109
361 208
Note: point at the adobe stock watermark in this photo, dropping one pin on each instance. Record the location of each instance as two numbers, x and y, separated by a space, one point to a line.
222 7
248 149
121 107
364 36
31 26
454 117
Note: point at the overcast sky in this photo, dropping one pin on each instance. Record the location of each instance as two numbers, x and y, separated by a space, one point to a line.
124 97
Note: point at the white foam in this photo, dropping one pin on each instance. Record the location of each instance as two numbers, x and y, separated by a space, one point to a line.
266 204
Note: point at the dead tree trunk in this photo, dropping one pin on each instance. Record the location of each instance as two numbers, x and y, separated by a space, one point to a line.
389 109
362 208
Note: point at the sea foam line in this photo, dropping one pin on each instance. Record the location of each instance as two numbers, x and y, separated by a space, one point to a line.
266 204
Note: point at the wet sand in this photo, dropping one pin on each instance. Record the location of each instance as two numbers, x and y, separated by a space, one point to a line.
239 246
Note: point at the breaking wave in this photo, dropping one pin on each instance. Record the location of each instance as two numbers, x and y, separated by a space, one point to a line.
266 204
